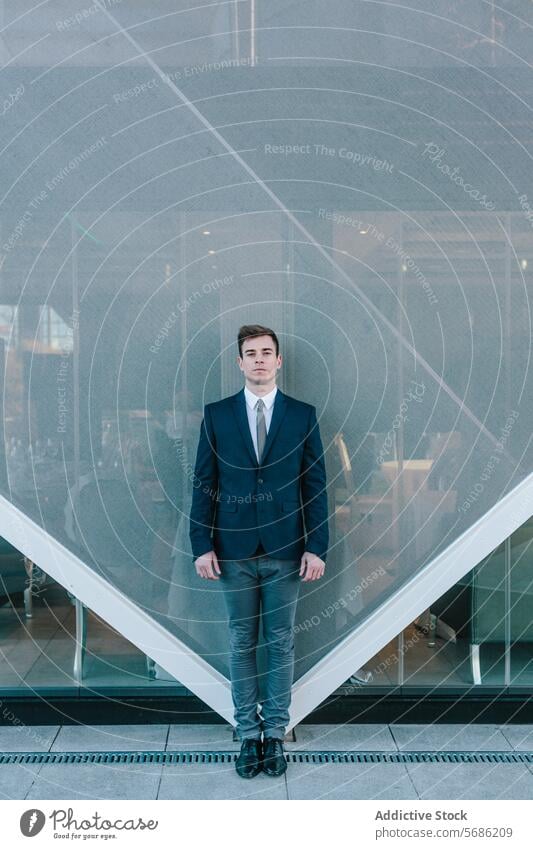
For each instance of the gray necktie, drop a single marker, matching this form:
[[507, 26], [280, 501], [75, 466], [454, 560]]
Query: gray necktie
[[261, 427]]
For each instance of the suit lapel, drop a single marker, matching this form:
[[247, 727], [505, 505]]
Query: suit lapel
[[278, 411]]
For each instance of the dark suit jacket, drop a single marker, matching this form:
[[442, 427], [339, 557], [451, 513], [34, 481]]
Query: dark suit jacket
[[243, 503]]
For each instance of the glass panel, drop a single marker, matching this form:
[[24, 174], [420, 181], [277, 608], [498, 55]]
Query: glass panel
[[38, 652], [475, 635], [459, 643], [520, 589], [378, 216]]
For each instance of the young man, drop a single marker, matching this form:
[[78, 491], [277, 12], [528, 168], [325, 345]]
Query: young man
[[259, 453]]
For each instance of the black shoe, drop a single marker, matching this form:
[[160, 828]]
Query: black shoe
[[250, 760], [274, 762]]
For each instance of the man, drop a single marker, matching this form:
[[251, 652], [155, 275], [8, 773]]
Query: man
[[260, 452]]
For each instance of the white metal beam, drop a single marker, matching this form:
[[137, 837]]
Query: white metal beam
[[411, 599], [117, 609]]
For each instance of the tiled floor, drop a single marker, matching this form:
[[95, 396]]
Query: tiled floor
[[301, 781]]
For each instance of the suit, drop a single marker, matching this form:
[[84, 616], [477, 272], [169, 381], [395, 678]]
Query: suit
[[279, 503], [259, 518]]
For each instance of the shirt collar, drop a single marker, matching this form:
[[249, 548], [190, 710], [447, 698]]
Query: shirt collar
[[251, 398]]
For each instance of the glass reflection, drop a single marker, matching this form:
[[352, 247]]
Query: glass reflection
[[132, 252]]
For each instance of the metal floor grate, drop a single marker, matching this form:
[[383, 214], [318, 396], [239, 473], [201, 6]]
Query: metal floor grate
[[298, 757]]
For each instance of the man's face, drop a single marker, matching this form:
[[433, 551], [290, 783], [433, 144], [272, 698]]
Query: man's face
[[259, 362]]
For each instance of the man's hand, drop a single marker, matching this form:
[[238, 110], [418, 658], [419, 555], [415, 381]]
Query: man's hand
[[207, 565], [312, 567]]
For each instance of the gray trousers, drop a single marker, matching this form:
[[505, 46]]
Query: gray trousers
[[272, 585]]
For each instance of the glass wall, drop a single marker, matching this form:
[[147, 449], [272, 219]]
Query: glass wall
[[477, 636], [357, 178]]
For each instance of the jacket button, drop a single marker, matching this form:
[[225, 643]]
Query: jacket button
[[259, 480]]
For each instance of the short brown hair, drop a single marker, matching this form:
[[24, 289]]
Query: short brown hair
[[249, 331]]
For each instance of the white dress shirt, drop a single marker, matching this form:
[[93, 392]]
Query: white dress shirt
[[251, 401]]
